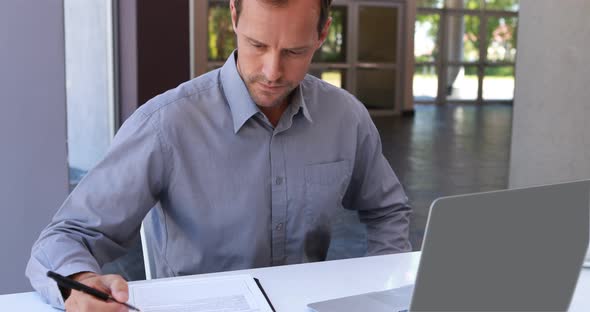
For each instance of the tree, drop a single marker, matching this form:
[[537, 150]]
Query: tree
[[222, 40]]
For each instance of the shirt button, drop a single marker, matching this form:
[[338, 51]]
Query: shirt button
[[279, 227], [279, 181]]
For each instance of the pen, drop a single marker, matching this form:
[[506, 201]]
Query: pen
[[264, 293], [69, 283]]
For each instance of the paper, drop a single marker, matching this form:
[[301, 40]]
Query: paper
[[206, 294]]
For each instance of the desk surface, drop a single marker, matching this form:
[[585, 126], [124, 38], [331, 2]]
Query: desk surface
[[292, 287]]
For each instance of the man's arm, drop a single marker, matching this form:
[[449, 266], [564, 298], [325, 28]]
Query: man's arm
[[376, 193], [102, 216]]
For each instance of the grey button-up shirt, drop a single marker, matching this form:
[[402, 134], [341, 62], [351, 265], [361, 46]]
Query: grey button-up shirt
[[229, 190]]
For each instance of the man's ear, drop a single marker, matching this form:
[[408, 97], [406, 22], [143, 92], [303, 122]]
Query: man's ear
[[324, 32], [234, 15]]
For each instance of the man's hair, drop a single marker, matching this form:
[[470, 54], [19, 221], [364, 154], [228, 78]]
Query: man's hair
[[324, 10]]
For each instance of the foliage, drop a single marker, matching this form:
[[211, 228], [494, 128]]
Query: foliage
[[491, 71], [429, 3], [503, 29], [502, 33], [432, 21], [333, 49], [504, 71], [222, 40], [470, 71], [506, 5]]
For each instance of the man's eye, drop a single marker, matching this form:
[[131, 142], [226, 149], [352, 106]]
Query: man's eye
[[256, 45], [291, 52]]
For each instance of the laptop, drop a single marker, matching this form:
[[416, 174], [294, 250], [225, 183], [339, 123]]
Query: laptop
[[509, 250]]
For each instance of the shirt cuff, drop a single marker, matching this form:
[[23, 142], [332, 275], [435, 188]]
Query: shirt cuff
[[47, 287]]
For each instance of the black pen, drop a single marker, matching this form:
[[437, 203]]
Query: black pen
[[264, 293], [69, 283]]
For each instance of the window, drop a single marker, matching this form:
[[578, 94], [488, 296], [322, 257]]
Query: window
[[465, 51], [430, 4], [89, 83], [425, 82], [378, 51], [221, 39], [503, 5], [334, 48], [329, 63], [501, 39], [361, 53]]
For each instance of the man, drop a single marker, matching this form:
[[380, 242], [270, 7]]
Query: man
[[246, 166]]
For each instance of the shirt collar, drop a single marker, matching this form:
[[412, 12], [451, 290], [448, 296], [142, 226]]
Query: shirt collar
[[299, 100], [241, 104]]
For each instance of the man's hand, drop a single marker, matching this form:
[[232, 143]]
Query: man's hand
[[110, 284]]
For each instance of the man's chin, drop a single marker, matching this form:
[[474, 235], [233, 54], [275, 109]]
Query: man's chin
[[266, 99], [267, 102]]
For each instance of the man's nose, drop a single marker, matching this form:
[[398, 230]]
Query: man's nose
[[272, 67]]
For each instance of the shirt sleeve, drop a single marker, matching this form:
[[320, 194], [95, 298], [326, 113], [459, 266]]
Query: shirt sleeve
[[101, 218], [376, 193]]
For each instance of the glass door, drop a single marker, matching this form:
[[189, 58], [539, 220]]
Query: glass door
[[376, 55], [362, 53], [464, 51], [90, 83], [330, 61]]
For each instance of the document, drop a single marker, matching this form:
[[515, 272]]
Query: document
[[238, 293]]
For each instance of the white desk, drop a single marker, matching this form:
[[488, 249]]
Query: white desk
[[292, 287]]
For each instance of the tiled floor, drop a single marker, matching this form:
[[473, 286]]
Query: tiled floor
[[448, 150]]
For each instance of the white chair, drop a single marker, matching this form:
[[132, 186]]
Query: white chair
[[148, 262]]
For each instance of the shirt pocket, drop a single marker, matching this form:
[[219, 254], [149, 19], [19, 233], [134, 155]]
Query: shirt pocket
[[325, 185]]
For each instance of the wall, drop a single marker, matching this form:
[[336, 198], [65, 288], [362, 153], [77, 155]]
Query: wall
[[33, 152], [33, 172], [550, 139], [550, 136], [163, 46], [153, 50]]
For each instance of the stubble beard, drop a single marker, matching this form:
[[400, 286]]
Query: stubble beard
[[251, 83]]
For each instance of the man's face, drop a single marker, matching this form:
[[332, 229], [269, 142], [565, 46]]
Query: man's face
[[275, 47]]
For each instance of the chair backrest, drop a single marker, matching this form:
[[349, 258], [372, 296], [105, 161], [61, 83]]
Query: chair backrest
[[148, 261]]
